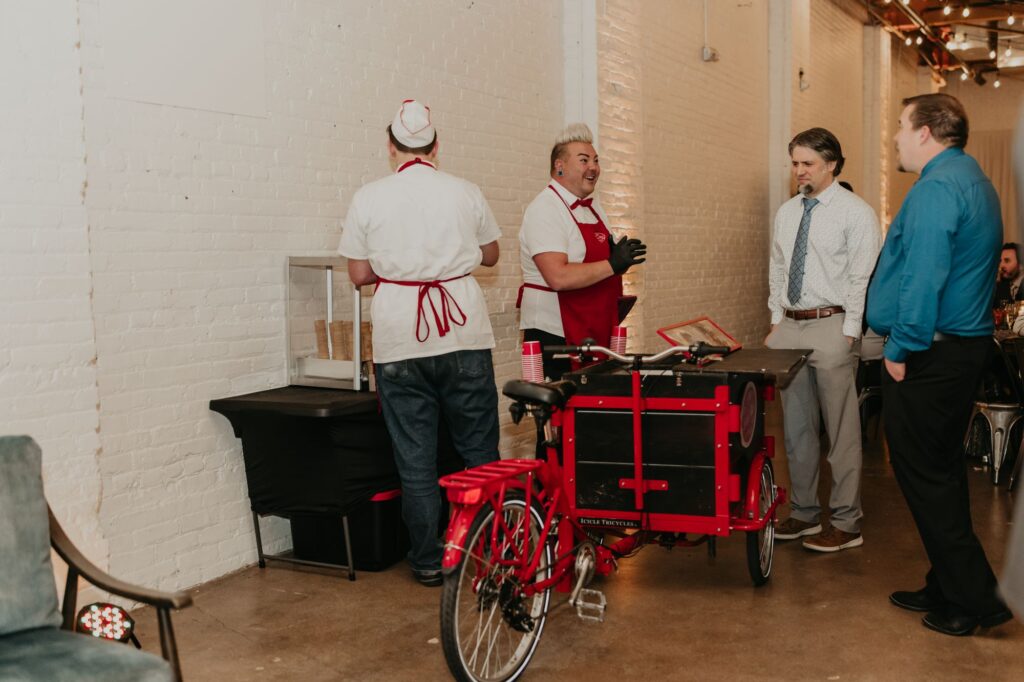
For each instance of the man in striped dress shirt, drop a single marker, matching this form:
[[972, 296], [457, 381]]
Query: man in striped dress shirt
[[824, 246]]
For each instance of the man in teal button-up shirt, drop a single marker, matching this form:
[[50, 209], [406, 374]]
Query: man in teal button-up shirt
[[931, 296], [941, 250]]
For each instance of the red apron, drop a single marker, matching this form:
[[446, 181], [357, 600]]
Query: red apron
[[592, 311], [446, 310]]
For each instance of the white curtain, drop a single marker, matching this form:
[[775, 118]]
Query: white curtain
[[993, 150]]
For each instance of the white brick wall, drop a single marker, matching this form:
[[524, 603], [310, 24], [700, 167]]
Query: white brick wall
[[684, 153], [834, 71], [194, 213], [47, 352], [621, 134]]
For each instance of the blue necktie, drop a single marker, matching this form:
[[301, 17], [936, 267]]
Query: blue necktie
[[796, 267]]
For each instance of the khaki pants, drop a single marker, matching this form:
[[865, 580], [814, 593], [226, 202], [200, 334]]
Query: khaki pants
[[824, 388]]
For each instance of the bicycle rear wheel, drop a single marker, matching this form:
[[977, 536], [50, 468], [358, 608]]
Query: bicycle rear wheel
[[489, 630]]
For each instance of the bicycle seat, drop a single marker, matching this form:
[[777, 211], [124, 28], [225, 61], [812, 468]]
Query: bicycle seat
[[555, 394]]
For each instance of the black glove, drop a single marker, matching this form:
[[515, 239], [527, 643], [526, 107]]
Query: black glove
[[626, 253]]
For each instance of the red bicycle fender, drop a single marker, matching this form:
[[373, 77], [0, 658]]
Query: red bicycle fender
[[455, 536], [750, 509]]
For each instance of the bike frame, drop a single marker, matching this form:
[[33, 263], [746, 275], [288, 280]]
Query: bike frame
[[553, 486]]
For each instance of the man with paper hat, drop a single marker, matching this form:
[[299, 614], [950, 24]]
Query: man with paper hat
[[418, 234]]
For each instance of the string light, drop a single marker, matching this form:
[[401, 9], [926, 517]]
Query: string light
[[966, 12], [996, 84], [1008, 53], [963, 76], [947, 10], [991, 54], [909, 40], [919, 40], [1011, 20]]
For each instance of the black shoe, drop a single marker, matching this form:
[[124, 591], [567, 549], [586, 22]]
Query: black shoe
[[922, 600], [960, 624], [994, 619], [951, 622], [429, 578]]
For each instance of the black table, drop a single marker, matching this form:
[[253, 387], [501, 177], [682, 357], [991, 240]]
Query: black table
[[316, 453]]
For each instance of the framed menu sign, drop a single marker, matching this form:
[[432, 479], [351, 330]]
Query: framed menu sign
[[694, 331]]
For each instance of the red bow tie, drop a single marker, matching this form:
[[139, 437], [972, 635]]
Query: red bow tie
[[585, 203]]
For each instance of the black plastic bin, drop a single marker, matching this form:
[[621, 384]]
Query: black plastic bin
[[378, 535]]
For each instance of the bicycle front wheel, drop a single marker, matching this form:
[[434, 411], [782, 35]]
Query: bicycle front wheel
[[761, 543], [489, 628]]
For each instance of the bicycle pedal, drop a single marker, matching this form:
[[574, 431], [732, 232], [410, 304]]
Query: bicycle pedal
[[591, 605], [668, 540]]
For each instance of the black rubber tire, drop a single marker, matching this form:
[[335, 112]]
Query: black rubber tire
[[760, 566], [455, 586]]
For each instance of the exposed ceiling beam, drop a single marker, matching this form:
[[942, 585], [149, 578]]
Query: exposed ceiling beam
[[933, 16]]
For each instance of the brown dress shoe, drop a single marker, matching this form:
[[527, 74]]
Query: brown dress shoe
[[791, 529], [833, 540]]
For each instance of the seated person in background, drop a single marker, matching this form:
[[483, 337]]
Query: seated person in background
[[1018, 325], [1008, 283]]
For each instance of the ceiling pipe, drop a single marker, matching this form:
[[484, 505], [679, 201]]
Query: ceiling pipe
[[923, 28], [926, 29]]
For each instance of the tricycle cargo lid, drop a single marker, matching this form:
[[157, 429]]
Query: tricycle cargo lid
[[780, 364]]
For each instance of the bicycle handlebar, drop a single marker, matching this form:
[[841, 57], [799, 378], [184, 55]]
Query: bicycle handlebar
[[697, 350]]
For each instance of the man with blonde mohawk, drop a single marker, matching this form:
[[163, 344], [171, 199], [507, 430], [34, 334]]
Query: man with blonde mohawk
[[572, 267], [418, 234]]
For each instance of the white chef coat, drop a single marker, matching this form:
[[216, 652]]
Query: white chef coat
[[420, 224], [547, 226]]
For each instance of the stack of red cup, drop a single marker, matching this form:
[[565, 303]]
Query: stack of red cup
[[533, 361], [619, 340]]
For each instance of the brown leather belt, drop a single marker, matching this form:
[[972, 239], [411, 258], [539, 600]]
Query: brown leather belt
[[815, 313]]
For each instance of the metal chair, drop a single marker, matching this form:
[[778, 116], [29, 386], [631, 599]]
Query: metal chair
[[1000, 418], [37, 640], [1001, 407], [869, 392]]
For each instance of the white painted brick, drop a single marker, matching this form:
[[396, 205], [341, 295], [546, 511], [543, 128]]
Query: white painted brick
[[47, 376], [188, 292], [684, 158]]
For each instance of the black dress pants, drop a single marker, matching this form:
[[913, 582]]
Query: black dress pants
[[926, 418]]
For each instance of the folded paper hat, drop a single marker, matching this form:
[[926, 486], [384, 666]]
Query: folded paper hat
[[412, 126]]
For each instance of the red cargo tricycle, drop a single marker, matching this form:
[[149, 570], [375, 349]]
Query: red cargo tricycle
[[639, 450]]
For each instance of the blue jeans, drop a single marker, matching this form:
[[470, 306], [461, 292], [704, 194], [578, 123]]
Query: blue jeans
[[414, 393]]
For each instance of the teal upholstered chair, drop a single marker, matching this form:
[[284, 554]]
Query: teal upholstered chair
[[36, 638]]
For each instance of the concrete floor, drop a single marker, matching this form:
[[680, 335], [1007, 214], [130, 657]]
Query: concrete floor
[[672, 615]]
